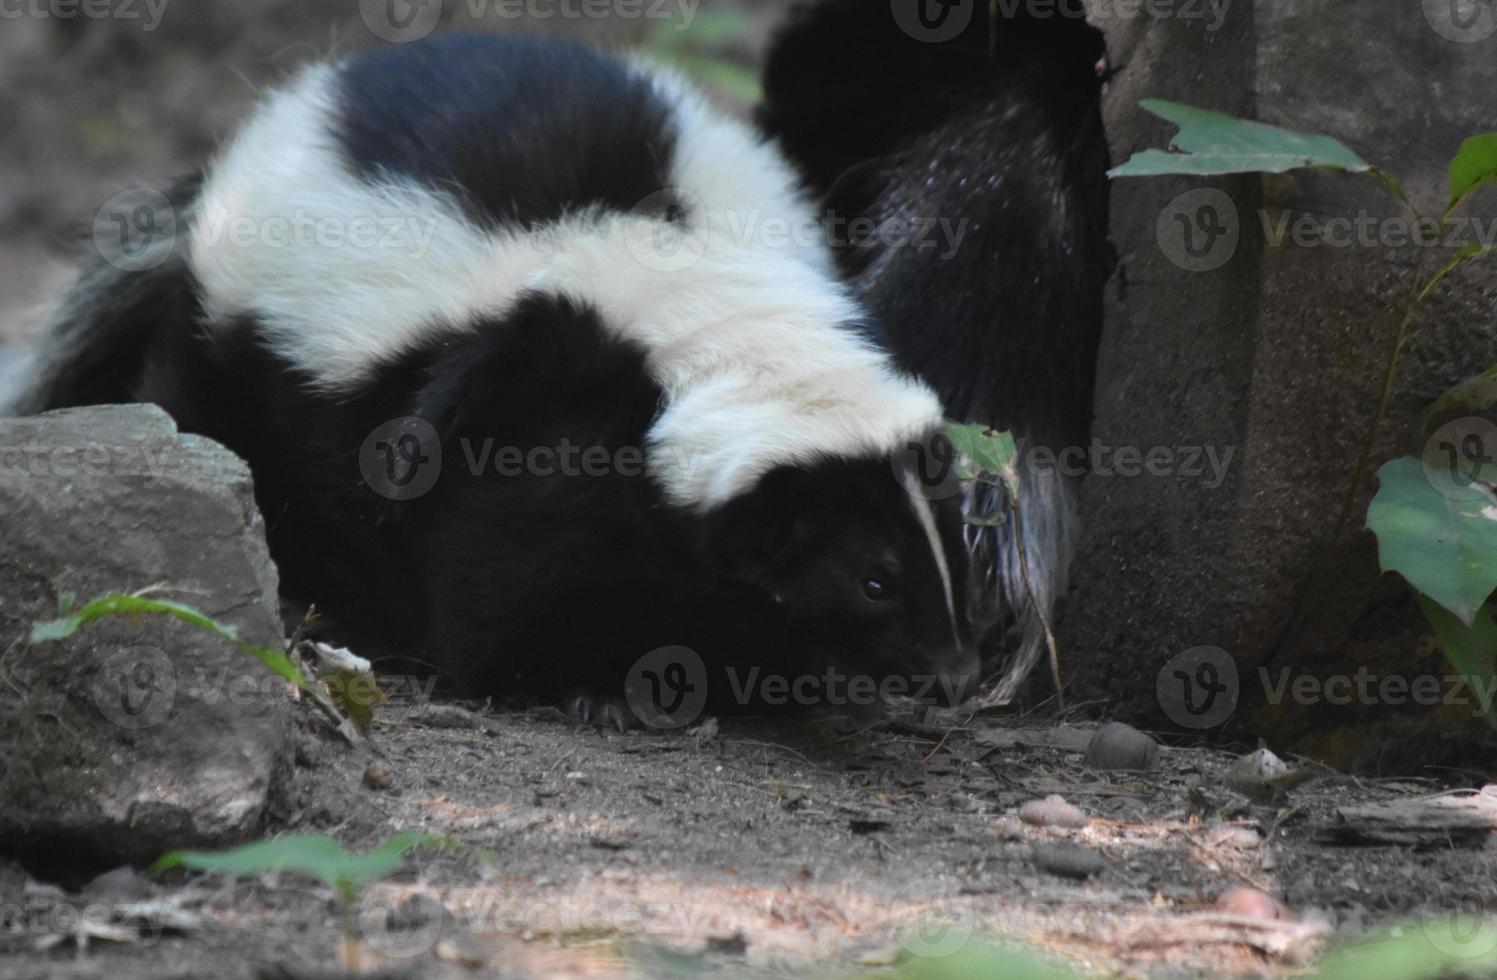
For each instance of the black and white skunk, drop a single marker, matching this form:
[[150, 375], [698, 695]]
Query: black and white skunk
[[968, 137], [447, 257]]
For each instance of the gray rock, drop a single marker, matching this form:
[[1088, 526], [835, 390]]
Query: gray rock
[[1053, 811], [127, 740], [1120, 746], [1068, 860]]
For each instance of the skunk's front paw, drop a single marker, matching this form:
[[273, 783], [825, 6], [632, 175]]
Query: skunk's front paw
[[606, 712]]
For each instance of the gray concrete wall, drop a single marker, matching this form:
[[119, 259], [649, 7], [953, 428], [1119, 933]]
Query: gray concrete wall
[[1272, 352]]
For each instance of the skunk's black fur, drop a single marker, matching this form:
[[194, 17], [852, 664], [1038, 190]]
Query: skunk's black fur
[[534, 582]]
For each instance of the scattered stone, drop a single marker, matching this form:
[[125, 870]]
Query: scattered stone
[[376, 777], [129, 739], [1119, 746], [867, 825], [1068, 860], [119, 884], [1241, 838], [1262, 777], [1250, 903], [1052, 811], [734, 945]]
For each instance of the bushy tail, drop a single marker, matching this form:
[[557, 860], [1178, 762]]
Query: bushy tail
[[96, 349], [1030, 590]]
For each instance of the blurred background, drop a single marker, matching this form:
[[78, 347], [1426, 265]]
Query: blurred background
[[103, 96]]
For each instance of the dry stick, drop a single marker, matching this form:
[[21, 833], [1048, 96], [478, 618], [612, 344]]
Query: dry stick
[[939, 746], [1385, 393]]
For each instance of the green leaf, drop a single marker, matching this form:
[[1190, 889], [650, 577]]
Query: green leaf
[[1473, 166], [1474, 396], [130, 605], [1441, 946], [315, 854], [1211, 143], [1471, 650], [355, 693], [1445, 548], [993, 452]]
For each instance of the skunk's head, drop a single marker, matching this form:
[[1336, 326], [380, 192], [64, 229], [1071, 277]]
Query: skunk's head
[[863, 563]]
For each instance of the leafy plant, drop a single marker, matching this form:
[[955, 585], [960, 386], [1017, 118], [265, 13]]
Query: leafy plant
[[1214, 143], [137, 605], [319, 856], [1433, 948], [1444, 548], [336, 691]]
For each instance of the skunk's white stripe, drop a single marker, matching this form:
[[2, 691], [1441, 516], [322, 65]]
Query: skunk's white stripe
[[748, 339], [927, 519]]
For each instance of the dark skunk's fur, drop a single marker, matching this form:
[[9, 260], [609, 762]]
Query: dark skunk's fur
[[997, 133], [511, 301]]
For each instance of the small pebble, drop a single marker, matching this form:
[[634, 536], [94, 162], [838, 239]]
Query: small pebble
[[1260, 776], [121, 883], [1068, 860], [1052, 811], [376, 777], [1120, 746], [1242, 838], [1250, 903]]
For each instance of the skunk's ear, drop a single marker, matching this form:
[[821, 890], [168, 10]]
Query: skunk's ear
[[751, 537]]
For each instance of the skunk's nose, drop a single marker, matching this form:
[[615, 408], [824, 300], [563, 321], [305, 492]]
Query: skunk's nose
[[955, 676]]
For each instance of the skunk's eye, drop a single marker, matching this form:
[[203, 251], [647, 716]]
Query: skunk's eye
[[876, 591]]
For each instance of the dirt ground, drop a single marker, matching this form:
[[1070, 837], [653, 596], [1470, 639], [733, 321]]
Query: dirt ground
[[822, 845]]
